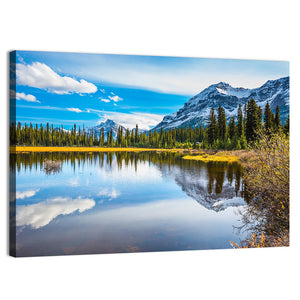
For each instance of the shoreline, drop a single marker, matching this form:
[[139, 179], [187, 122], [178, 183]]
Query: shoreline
[[24, 149], [189, 154]]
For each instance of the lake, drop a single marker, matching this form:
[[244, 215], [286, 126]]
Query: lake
[[123, 202]]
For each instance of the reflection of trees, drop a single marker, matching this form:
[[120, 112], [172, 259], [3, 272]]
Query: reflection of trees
[[220, 175], [216, 175], [208, 185], [201, 181], [230, 173]]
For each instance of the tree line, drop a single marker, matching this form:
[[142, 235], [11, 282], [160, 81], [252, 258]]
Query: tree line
[[241, 130]]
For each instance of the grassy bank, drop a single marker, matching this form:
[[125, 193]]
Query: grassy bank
[[190, 154], [218, 157], [21, 149]]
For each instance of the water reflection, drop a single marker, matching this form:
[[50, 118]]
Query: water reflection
[[42, 213], [213, 185], [123, 202]]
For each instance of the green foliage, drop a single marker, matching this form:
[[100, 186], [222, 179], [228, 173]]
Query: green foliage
[[253, 121], [222, 125], [212, 127], [286, 128], [231, 128], [277, 122], [217, 134], [240, 125], [268, 119]]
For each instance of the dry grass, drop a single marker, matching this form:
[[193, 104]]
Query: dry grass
[[25, 149], [218, 157]]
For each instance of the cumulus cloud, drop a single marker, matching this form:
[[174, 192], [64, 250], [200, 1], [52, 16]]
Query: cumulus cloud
[[26, 194], [22, 96], [129, 120], [105, 100], [41, 214], [41, 76], [111, 194], [115, 98], [77, 110]]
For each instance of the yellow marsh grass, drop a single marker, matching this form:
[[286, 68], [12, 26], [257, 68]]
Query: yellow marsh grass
[[84, 149], [218, 157]]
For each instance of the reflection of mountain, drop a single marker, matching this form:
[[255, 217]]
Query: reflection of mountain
[[214, 187], [214, 201]]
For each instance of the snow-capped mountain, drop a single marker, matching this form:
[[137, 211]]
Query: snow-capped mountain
[[107, 125], [62, 129], [196, 110]]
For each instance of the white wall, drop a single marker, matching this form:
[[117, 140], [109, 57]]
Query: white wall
[[226, 29]]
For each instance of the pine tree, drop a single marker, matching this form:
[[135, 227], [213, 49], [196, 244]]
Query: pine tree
[[108, 139], [277, 123], [252, 122], [240, 124], [111, 138], [222, 126], [268, 118], [286, 127], [212, 127], [231, 128], [136, 137]]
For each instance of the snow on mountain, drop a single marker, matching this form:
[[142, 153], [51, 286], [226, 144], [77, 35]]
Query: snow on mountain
[[62, 129], [196, 110], [107, 126]]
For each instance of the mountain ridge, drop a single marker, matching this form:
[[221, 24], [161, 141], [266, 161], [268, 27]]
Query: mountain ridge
[[107, 126], [195, 111]]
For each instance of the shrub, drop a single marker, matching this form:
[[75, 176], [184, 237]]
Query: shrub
[[266, 189]]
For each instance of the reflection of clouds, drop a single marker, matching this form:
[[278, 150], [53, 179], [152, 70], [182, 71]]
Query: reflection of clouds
[[174, 211], [74, 181], [26, 194], [41, 214], [143, 173], [113, 194]]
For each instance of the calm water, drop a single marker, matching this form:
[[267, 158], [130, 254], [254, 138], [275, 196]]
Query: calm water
[[124, 202]]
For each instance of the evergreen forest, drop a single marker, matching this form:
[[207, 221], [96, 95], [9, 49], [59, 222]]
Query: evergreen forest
[[237, 133]]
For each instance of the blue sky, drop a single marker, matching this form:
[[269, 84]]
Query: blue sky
[[67, 88]]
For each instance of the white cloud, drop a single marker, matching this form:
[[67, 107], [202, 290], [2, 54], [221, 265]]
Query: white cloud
[[26, 194], [145, 120], [105, 100], [115, 98], [186, 76], [77, 110], [113, 194], [29, 98], [102, 91], [41, 214], [41, 76]]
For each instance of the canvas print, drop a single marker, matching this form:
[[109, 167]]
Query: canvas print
[[130, 153]]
